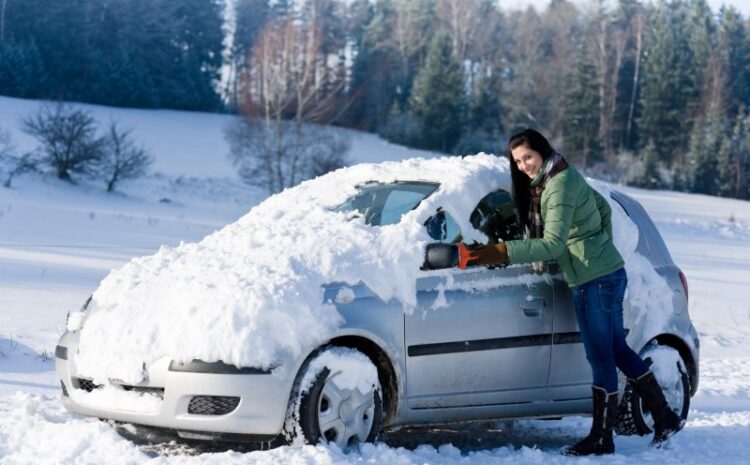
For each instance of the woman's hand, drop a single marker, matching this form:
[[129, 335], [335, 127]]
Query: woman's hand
[[488, 255]]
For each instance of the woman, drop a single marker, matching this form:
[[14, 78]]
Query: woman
[[569, 222]]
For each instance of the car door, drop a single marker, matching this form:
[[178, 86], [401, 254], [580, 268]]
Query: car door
[[479, 336], [570, 373]]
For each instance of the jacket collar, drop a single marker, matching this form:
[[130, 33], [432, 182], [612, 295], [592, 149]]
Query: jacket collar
[[542, 171]]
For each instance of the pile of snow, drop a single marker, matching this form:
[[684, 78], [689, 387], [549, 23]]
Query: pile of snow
[[648, 294], [349, 369], [251, 294], [38, 430]]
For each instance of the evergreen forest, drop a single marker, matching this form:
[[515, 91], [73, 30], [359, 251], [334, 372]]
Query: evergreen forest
[[649, 93]]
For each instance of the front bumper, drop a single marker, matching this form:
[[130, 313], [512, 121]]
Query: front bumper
[[163, 400]]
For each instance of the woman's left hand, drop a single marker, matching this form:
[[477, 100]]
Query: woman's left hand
[[488, 255]]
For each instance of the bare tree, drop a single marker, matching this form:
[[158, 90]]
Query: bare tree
[[122, 158], [68, 139], [289, 84], [601, 48], [474, 28], [263, 158], [539, 56], [11, 163], [638, 31], [465, 21]]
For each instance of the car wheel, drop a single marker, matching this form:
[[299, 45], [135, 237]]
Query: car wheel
[[633, 417], [334, 413]]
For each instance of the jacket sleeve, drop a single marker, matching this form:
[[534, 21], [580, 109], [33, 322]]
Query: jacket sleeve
[[558, 205], [605, 211]]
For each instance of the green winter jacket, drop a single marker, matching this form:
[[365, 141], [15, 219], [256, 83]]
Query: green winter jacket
[[577, 230]]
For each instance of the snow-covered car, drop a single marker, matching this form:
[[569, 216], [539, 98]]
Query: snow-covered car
[[314, 318]]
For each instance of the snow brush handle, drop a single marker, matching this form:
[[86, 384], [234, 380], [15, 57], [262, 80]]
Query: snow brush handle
[[464, 255]]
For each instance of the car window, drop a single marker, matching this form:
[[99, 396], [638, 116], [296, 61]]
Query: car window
[[443, 228], [383, 204], [495, 215], [398, 203]]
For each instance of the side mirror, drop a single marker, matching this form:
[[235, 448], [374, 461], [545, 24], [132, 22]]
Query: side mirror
[[437, 227], [440, 256]]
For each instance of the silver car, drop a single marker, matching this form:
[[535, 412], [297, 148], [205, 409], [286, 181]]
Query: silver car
[[483, 343]]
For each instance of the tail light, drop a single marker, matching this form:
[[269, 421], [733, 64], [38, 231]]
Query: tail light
[[684, 284]]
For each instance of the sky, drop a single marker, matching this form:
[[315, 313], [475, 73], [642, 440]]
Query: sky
[[742, 5]]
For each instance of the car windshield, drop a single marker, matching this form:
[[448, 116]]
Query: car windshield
[[382, 204]]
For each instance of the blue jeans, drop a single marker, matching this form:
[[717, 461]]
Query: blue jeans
[[599, 313]]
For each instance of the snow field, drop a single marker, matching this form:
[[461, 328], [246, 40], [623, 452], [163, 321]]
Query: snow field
[[37, 429]]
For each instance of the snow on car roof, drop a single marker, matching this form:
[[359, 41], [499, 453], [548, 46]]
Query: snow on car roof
[[251, 294]]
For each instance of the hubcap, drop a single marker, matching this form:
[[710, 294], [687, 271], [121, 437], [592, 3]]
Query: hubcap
[[345, 416]]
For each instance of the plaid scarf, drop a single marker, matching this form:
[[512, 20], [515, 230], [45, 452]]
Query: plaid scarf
[[555, 164]]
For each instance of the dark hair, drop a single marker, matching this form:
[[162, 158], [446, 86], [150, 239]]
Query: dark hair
[[534, 139], [521, 182]]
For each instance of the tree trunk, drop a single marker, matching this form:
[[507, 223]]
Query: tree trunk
[[634, 93], [603, 113]]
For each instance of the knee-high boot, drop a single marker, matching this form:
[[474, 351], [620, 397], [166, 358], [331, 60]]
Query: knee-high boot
[[666, 422], [599, 441]]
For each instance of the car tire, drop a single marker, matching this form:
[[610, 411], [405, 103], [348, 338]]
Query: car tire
[[329, 414], [632, 416]]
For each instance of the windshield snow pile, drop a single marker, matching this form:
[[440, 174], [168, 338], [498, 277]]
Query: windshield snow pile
[[251, 294]]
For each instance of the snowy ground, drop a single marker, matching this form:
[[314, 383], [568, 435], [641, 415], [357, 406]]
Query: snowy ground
[[58, 241]]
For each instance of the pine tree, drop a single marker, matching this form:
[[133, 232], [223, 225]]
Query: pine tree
[[705, 153], [734, 46], [734, 166], [650, 158], [374, 73], [483, 123], [409, 38], [437, 99], [21, 69], [145, 53], [700, 29], [581, 126], [198, 40], [670, 92]]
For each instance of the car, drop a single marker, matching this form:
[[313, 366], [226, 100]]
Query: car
[[316, 318]]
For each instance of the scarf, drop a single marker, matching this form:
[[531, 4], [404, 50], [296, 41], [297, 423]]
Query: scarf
[[553, 165]]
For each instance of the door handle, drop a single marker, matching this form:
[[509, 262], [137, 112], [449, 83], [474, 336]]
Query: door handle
[[532, 306]]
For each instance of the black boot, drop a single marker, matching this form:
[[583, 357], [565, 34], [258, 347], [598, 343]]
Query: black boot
[[599, 441], [666, 422]]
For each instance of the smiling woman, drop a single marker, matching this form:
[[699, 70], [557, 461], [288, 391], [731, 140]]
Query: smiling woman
[[569, 223]]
